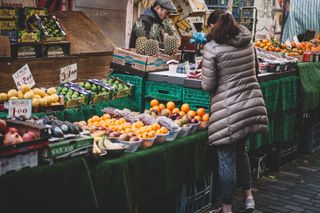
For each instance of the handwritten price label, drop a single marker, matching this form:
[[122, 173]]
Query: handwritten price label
[[68, 73], [20, 107], [23, 77]]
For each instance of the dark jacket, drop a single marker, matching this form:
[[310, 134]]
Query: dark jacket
[[148, 18], [237, 106]]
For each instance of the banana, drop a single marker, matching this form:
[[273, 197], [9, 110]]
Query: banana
[[96, 150]]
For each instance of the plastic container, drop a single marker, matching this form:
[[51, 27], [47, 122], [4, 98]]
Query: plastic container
[[173, 134], [114, 139], [194, 127], [185, 130], [147, 142], [132, 146], [161, 138]]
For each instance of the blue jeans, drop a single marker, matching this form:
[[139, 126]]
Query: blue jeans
[[233, 158]]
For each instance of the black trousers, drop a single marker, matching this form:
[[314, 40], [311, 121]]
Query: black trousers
[[233, 158]]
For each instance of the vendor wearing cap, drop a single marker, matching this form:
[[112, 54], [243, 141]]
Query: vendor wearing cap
[[156, 14]]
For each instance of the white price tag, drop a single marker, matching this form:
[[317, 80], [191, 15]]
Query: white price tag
[[19, 107], [23, 77], [68, 73]]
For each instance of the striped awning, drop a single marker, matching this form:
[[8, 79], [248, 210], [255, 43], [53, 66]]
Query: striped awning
[[303, 15]]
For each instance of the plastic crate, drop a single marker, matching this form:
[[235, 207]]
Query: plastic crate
[[163, 91], [195, 96], [270, 91], [195, 197], [282, 154], [139, 85], [288, 93], [284, 128], [195, 106], [311, 140]]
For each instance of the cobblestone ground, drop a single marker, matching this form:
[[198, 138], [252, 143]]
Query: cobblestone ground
[[295, 188]]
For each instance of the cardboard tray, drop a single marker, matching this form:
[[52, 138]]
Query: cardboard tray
[[23, 147]]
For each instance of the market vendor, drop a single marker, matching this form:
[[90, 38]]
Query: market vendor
[[160, 10]]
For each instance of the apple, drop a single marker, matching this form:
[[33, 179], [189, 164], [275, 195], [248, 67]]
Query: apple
[[3, 127], [134, 139], [124, 137]]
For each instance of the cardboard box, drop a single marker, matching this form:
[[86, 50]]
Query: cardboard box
[[141, 62], [168, 77], [18, 162], [68, 148], [191, 8]]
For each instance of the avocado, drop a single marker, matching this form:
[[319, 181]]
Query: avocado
[[87, 86]]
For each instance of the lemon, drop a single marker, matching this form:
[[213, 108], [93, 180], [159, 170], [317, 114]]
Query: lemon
[[35, 102], [43, 102], [29, 95], [36, 96], [42, 93], [36, 91], [3, 97], [20, 95], [48, 99], [52, 91], [12, 93], [25, 88], [13, 98], [55, 98]]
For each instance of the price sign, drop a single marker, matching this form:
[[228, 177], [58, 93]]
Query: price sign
[[23, 77], [68, 73], [19, 107]]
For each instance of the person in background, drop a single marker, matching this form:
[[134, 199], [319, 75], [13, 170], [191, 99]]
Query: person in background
[[237, 108], [213, 18], [160, 10]]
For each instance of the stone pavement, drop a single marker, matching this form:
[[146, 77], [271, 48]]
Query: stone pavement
[[295, 188]]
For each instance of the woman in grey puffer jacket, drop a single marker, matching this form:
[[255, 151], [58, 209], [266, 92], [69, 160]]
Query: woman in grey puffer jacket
[[237, 106]]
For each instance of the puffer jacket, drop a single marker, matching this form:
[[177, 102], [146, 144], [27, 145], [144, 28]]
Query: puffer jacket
[[237, 107]]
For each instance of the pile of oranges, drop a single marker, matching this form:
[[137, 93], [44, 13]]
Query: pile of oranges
[[170, 108], [293, 50], [122, 126]]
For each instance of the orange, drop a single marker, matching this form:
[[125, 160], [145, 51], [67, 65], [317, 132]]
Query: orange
[[181, 113], [192, 113], [139, 124], [198, 117], [205, 117], [95, 118], [265, 41], [175, 110], [156, 108], [162, 106], [201, 111], [154, 102], [164, 130], [171, 105], [156, 126], [106, 117], [185, 108]]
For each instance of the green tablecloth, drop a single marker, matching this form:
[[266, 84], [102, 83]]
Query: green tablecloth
[[309, 74], [109, 185]]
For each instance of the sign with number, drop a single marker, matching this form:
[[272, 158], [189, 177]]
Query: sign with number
[[68, 73], [23, 77], [20, 107]]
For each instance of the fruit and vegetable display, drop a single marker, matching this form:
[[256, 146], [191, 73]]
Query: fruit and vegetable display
[[74, 94], [39, 97], [16, 132], [120, 88], [293, 49], [28, 37], [99, 89]]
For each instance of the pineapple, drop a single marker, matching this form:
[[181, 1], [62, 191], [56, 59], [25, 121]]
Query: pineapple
[[142, 39], [170, 39], [152, 47]]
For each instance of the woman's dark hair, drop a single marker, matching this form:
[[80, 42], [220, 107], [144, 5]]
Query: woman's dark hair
[[213, 17], [225, 29]]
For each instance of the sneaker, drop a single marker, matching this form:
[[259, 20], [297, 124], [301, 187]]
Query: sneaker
[[247, 206]]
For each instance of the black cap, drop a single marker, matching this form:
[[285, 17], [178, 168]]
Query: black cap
[[167, 4]]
